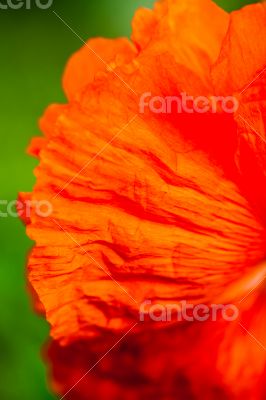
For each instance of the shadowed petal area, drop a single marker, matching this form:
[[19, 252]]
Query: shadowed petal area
[[231, 357]]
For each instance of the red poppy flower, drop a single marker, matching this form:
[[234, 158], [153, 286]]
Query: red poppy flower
[[156, 206]]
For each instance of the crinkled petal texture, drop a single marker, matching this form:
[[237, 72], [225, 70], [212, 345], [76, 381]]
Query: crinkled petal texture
[[160, 207]]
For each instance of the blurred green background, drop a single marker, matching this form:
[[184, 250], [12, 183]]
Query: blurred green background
[[34, 48]]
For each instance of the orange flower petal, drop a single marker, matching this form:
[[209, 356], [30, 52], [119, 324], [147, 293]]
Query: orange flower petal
[[243, 54], [154, 207], [210, 360], [143, 207], [193, 37], [97, 56]]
